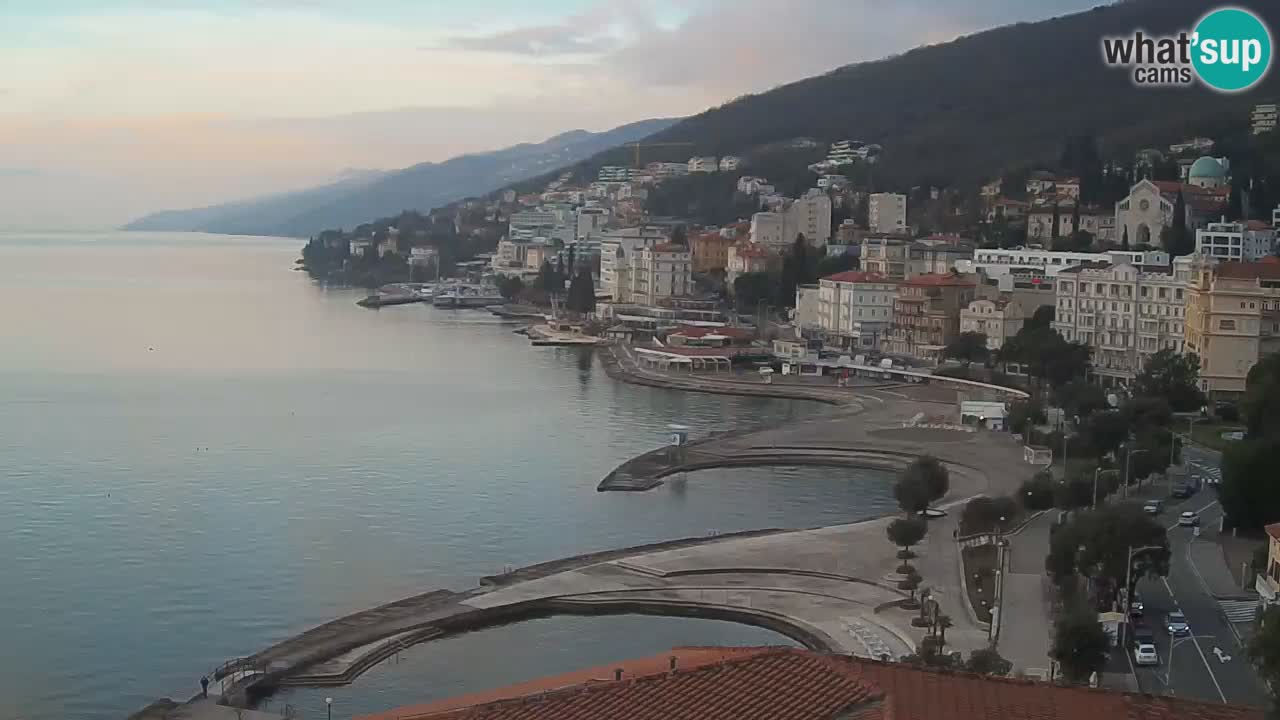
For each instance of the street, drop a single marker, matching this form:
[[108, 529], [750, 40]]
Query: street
[[1210, 663]]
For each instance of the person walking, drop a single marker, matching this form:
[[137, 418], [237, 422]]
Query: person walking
[[204, 686]]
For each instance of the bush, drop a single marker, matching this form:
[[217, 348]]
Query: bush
[[987, 662], [982, 514]]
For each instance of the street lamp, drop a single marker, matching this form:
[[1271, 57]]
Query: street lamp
[[328, 703], [1128, 462]]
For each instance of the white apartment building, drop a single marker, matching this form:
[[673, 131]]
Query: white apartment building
[[1263, 118], [664, 170], [887, 213], [618, 250], [1000, 263], [615, 173], [999, 320], [855, 308], [591, 219], [1275, 219], [809, 216], [844, 152], [769, 229], [750, 184], [662, 271], [705, 164], [729, 163], [1236, 241], [1123, 313]]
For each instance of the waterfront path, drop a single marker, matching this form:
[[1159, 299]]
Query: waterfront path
[[1027, 604]]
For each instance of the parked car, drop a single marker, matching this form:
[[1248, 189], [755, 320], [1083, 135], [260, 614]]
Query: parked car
[[1182, 492], [1188, 518], [1176, 623], [1153, 507], [1145, 654]]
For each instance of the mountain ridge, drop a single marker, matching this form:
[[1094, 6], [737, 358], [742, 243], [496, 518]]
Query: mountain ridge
[[366, 195]]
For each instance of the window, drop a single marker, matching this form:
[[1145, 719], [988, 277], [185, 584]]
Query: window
[[1226, 324]]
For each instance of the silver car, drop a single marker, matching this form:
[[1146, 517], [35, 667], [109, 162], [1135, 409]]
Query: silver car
[[1145, 654], [1176, 624]]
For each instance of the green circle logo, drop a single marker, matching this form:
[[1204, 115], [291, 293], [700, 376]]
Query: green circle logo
[[1231, 49]]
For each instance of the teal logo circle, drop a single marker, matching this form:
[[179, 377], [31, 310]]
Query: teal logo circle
[[1231, 49]]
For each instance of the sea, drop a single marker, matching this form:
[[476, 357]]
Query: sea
[[203, 451]]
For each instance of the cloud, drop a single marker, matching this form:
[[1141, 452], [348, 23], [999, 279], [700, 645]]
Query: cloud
[[542, 40]]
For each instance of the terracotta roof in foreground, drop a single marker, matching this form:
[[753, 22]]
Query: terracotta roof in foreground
[[794, 684]]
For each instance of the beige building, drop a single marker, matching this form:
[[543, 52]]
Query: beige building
[[1233, 319], [661, 271], [747, 257], [998, 319], [937, 254], [1123, 313], [855, 308], [810, 216], [884, 255], [926, 314], [710, 251], [887, 213]]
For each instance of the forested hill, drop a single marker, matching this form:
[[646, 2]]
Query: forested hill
[[420, 187], [965, 110]]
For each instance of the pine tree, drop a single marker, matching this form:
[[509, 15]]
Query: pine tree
[[1057, 220], [1124, 238], [1235, 204]]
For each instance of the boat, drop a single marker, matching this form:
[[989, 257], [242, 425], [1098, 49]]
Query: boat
[[467, 296]]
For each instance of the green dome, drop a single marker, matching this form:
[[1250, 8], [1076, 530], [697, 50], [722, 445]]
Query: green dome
[[1207, 167]]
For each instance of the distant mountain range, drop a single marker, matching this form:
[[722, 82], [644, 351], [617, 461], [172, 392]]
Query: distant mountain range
[[361, 195], [966, 110]]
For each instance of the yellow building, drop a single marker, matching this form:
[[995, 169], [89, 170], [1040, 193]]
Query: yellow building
[[710, 251], [1233, 319]]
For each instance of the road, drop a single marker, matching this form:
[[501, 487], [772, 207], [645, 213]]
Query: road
[[1211, 664]]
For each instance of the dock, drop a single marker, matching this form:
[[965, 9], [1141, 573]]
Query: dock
[[547, 336]]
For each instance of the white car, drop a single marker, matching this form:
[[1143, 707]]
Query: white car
[[1153, 507], [1145, 654], [1189, 519]]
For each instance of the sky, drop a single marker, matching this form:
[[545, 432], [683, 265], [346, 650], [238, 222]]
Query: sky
[[110, 110]]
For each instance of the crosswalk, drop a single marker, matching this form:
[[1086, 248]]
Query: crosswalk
[[1210, 474], [1239, 611]]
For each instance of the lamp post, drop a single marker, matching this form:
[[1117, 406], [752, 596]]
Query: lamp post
[[1173, 643], [328, 703], [1096, 472], [1128, 462]]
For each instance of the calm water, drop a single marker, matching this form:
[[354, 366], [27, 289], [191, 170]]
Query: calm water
[[202, 452]]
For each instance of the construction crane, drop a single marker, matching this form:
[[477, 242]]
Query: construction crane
[[638, 145]]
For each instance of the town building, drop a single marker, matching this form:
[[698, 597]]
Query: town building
[[616, 173], [705, 164], [1148, 209], [992, 190], [810, 215], [1275, 219], [1067, 189], [710, 251], [926, 313], [423, 255], [662, 271], [855, 308], [729, 163], [1233, 320], [998, 319], [937, 254], [805, 315], [748, 257], [769, 229], [1263, 118], [884, 254], [750, 184], [998, 264], [618, 249], [778, 683], [1040, 182], [1008, 209], [844, 152], [1208, 173], [359, 247], [667, 170], [1196, 145], [887, 213], [1125, 314], [1267, 582], [1243, 242], [590, 219]]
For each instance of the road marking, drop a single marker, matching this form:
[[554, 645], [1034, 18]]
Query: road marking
[[1222, 657], [1239, 611], [1197, 512], [1195, 641]]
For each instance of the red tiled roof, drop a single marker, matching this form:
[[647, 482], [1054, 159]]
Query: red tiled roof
[[751, 250], [794, 684], [859, 276], [1248, 270], [1274, 530], [939, 280]]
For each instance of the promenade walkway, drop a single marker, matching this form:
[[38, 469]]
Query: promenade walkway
[[1026, 622]]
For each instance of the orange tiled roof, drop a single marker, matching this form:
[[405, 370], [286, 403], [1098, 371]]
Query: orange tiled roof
[[939, 280], [1248, 270], [794, 684], [669, 247]]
